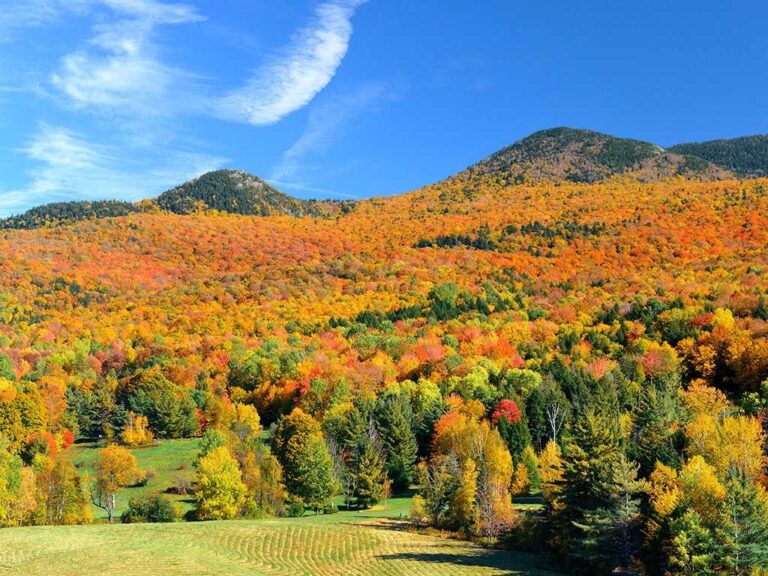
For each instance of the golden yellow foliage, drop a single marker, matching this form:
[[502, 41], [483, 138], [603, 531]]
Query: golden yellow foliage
[[664, 490], [550, 472], [137, 432], [701, 489]]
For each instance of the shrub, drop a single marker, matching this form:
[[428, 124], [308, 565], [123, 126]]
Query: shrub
[[152, 509], [330, 509], [182, 485], [296, 509], [144, 477]]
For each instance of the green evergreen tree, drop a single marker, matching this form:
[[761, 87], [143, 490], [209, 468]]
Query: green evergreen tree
[[516, 436], [394, 422], [588, 488], [656, 436], [369, 488], [746, 526], [625, 511]]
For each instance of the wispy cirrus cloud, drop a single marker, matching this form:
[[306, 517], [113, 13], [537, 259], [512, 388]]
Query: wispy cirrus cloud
[[17, 15], [69, 167], [294, 76], [122, 71], [121, 74], [327, 120]]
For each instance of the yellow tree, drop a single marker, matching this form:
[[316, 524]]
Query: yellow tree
[[137, 432], [115, 468], [221, 491], [550, 472]]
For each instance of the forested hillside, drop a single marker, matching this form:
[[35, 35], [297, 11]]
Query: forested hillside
[[575, 155], [68, 212], [747, 156], [228, 191], [549, 156], [235, 192], [599, 348]]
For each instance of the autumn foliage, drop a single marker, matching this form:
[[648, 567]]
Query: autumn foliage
[[602, 347]]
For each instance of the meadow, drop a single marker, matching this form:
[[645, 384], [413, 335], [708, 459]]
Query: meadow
[[377, 541], [374, 542], [164, 463]]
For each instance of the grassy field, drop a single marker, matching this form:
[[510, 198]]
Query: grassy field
[[370, 542], [167, 460], [335, 545]]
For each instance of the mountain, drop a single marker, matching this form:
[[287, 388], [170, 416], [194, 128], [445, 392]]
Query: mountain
[[574, 155], [231, 191], [235, 192], [554, 155], [68, 212], [746, 156]]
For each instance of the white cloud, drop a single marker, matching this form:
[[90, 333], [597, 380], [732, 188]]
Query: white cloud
[[122, 71], [326, 122], [119, 72], [290, 80], [20, 14], [71, 168]]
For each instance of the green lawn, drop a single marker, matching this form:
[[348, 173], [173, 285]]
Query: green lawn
[[360, 543], [169, 459], [334, 545]]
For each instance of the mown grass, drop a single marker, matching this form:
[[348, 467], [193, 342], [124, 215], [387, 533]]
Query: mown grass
[[166, 460], [325, 545], [352, 542]]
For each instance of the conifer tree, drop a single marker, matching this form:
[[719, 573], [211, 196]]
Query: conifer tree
[[587, 487], [746, 525], [394, 419], [369, 488], [516, 436], [625, 511]]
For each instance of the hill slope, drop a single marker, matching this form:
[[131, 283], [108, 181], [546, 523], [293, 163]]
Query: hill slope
[[236, 192], [554, 155], [289, 547], [747, 156], [231, 191], [68, 212], [586, 156]]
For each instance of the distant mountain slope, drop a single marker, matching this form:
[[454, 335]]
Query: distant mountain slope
[[746, 156], [236, 192], [554, 155], [232, 191], [586, 156], [68, 212]]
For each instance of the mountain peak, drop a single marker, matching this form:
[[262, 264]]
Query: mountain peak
[[233, 191], [579, 155]]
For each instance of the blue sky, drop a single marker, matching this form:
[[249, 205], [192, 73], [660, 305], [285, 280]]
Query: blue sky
[[351, 98]]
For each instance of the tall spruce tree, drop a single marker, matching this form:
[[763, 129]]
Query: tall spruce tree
[[585, 522], [369, 488], [516, 436], [746, 526], [394, 422]]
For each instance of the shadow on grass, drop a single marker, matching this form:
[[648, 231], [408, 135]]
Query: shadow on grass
[[507, 563], [381, 524]]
